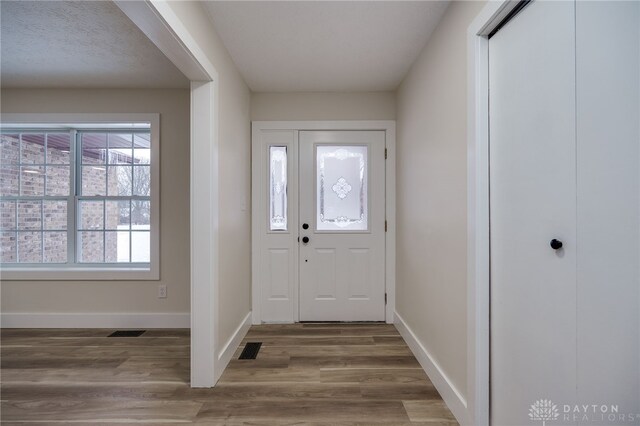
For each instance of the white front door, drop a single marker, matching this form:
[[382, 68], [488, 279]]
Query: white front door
[[342, 226], [318, 223]]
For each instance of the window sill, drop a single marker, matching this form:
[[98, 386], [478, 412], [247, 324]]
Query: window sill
[[79, 274]]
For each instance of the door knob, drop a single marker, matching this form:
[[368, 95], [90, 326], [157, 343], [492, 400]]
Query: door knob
[[305, 240], [305, 226], [555, 244]]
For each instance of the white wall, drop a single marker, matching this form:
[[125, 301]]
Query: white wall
[[431, 195], [234, 301], [45, 297], [323, 106]]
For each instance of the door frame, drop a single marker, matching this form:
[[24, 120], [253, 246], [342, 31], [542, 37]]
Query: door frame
[[478, 237], [258, 211], [157, 20]]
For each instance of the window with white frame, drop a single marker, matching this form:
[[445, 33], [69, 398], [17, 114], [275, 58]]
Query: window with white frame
[[79, 196]]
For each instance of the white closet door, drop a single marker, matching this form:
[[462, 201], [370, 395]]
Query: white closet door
[[533, 200], [608, 71]]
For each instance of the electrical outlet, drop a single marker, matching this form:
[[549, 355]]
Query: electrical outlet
[[162, 291]]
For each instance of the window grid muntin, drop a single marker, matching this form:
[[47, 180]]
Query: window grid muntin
[[41, 199], [75, 187], [104, 198], [104, 230]]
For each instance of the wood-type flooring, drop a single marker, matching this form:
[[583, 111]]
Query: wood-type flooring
[[304, 374]]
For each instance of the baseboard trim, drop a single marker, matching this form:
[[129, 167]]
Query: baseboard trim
[[232, 344], [90, 320], [451, 396]]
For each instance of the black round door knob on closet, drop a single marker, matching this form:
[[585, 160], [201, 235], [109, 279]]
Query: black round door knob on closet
[[305, 226], [305, 240], [555, 244]]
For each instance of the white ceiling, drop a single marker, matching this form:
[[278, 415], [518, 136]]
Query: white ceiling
[[78, 44], [282, 46]]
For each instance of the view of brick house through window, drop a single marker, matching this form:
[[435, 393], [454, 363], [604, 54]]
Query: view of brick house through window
[[75, 196]]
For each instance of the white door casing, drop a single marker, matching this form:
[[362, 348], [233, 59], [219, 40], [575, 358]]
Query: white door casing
[[159, 22], [275, 252], [342, 204]]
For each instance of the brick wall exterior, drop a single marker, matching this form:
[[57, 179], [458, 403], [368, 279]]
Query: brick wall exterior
[[30, 225]]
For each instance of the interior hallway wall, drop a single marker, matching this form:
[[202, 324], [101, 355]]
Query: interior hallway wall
[[323, 106], [234, 298], [64, 297], [432, 194]]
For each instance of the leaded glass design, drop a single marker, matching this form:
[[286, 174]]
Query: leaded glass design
[[342, 187], [278, 188]]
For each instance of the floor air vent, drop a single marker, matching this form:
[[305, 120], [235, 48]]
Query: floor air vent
[[250, 350], [127, 333]]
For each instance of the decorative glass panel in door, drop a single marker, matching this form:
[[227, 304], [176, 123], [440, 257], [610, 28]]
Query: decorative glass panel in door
[[342, 199], [278, 188]]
